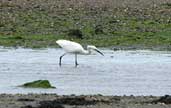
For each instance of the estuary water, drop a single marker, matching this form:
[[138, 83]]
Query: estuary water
[[139, 72]]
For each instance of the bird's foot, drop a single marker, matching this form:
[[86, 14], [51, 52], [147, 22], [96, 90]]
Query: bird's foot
[[60, 64], [76, 64]]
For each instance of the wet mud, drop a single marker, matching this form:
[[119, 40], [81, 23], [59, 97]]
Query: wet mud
[[82, 101]]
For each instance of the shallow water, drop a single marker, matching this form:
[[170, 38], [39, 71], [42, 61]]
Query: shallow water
[[140, 72]]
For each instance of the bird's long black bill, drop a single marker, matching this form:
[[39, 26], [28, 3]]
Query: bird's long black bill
[[99, 52]]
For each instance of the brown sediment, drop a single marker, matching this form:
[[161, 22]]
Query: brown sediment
[[82, 101]]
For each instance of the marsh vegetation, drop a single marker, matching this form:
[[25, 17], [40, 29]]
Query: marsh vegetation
[[104, 23]]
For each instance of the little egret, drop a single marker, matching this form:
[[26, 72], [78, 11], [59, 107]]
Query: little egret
[[75, 48]]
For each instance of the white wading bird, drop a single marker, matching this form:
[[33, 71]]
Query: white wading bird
[[75, 48]]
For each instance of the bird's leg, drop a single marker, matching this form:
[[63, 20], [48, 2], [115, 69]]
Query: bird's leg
[[60, 59], [76, 63]]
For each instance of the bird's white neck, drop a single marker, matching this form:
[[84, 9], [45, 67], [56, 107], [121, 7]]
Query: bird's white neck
[[86, 52]]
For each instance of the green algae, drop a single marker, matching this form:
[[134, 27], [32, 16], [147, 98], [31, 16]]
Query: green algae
[[38, 84]]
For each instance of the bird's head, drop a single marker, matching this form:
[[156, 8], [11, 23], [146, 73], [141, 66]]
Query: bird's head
[[92, 47]]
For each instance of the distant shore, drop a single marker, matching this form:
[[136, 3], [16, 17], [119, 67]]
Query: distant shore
[[82, 101], [104, 23]]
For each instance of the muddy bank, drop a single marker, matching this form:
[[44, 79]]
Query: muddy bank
[[104, 23], [82, 101], [142, 47]]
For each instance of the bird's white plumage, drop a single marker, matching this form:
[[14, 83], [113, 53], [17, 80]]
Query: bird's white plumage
[[75, 48], [69, 46]]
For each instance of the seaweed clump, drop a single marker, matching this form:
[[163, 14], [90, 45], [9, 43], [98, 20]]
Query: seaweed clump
[[38, 84]]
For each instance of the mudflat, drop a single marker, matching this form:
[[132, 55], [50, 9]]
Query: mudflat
[[82, 101]]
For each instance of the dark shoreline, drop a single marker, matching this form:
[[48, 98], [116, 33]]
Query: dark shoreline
[[141, 47], [114, 48], [82, 101]]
